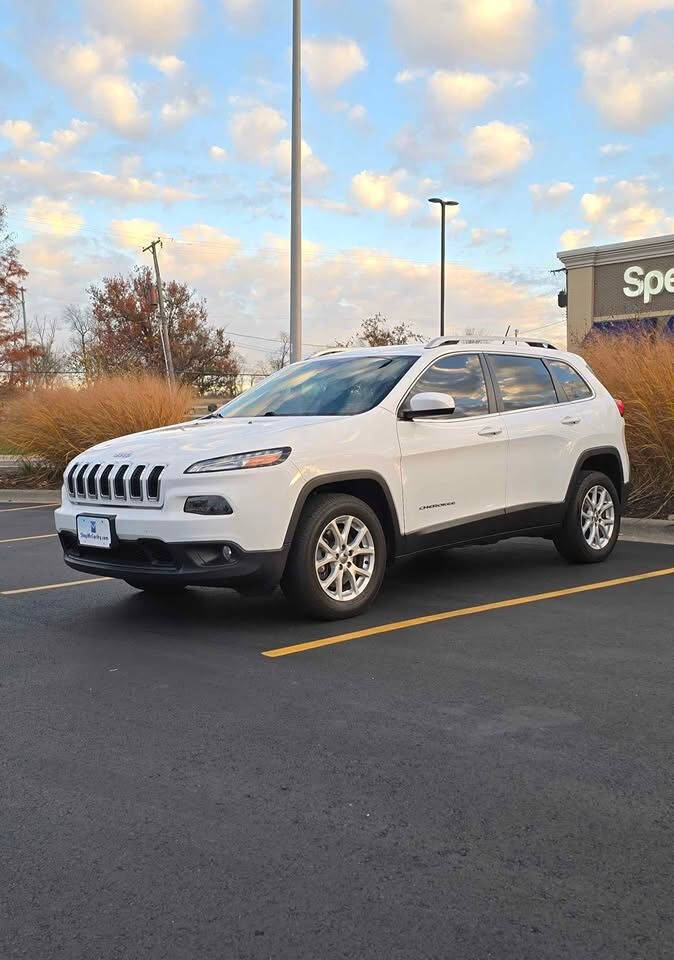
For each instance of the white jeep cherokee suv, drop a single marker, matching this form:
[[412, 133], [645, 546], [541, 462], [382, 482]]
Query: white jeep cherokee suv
[[326, 472]]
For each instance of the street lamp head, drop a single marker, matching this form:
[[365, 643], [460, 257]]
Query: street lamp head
[[445, 203]]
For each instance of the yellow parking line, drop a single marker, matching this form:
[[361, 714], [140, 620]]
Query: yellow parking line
[[53, 586], [464, 612], [40, 536], [37, 506]]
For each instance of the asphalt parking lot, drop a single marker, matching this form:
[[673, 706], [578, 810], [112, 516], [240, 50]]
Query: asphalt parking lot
[[494, 784]]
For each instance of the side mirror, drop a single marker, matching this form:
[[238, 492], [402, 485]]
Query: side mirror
[[428, 405]]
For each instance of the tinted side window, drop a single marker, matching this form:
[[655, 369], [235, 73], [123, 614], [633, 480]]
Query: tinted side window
[[571, 382], [460, 377], [524, 382]]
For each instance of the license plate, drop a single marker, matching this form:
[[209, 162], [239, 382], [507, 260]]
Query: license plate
[[94, 532]]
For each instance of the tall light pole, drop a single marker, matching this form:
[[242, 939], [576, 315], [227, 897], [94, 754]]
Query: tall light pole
[[296, 191], [443, 206]]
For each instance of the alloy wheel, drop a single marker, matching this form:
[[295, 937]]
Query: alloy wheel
[[597, 517], [345, 558]]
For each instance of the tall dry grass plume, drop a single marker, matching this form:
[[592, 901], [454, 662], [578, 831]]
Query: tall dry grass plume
[[640, 371], [55, 424]]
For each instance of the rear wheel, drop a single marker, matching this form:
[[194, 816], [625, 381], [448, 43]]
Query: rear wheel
[[159, 589], [338, 558], [592, 522]]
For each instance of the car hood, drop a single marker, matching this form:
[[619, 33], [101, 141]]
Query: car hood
[[186, 443]]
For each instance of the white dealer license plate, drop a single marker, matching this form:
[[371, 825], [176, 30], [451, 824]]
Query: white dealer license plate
[[94, 532]]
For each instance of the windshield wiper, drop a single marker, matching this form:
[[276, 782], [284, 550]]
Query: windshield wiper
[[269, 413]]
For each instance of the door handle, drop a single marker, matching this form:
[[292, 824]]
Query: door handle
[[570, 421], [490, 432]]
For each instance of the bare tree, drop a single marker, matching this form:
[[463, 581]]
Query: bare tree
[[278, 358], [49, 363], [82, 326]]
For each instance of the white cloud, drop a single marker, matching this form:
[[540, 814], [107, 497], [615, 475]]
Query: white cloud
[[380, 191], [446, 32], [613, 149], [488, 236], [218, 154], [495, 151], [113, 100], [410, 76], [572, 239], [451, 91], [126, 189], [54, 217], [199, 249], [134, 234], [313, 168], [630, 80], [65, 139], [593, 16], [144, 25], [254, 132], [330, 63], [94, 75], [631, 210], [168, 64], [20, 132], [242, 12], [183, 107], [250, 288], [551, 194]]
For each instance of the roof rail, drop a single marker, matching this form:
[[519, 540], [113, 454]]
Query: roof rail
[[512, 341], [328, 351]]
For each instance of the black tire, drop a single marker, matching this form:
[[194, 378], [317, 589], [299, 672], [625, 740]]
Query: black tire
[[570, 540], [301, 583], [159, 589]]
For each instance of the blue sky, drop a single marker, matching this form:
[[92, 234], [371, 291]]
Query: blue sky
[[549, 121]]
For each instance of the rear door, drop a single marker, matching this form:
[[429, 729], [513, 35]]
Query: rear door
[[539, 428], [454, 467]]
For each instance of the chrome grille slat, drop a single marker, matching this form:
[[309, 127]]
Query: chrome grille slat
[[85, 483]]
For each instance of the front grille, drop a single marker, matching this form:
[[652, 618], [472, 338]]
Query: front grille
[[116, 484]]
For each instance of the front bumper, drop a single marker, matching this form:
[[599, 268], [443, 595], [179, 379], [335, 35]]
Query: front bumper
[[183, 564]]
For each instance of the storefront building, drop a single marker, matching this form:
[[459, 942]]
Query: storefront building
[[621, 286]]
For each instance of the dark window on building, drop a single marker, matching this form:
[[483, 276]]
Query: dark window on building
[[572, 384], [460, 377], [523, 382]]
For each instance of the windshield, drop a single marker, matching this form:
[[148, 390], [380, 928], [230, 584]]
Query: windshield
[[326, 386]]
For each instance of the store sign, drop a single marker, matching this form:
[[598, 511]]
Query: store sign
[[638, 283]]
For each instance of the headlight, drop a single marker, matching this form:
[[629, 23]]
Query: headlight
[[241, 461]]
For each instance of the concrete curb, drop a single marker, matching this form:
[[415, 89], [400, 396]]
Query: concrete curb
[[647, 531]]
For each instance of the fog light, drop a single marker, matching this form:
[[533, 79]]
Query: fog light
[[212, 506], [227, 553]]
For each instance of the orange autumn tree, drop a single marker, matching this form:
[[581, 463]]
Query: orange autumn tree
[[124, 333]]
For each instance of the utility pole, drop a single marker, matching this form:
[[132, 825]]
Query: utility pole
[[296, 191], [443, 205], [163, 326], [22, 290]]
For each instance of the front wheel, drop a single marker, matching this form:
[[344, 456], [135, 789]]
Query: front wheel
[[338, 558], [592, 521]]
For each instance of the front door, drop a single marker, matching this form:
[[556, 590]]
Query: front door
[[453, 467]]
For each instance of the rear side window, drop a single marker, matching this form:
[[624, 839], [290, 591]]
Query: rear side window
[[459, 376], [523, 382], [572, 384]]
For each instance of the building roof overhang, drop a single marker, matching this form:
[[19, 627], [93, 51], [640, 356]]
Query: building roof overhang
[[618, 252]]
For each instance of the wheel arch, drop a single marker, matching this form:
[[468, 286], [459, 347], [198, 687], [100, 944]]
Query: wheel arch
[[606, 460], [368, 486]]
